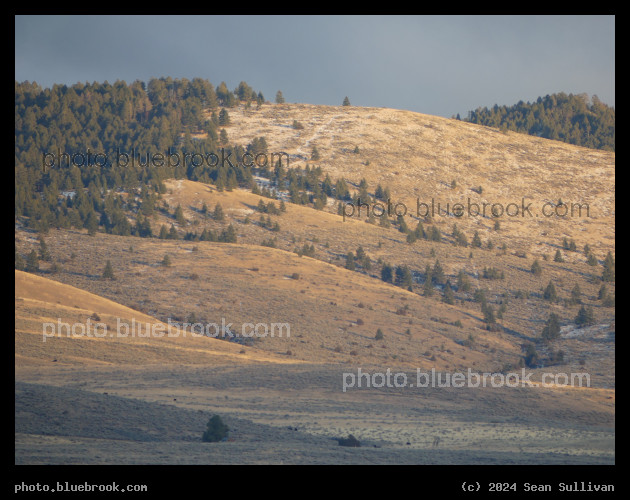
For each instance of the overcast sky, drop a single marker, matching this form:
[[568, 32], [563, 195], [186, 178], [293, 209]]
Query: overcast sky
[[439, 65]]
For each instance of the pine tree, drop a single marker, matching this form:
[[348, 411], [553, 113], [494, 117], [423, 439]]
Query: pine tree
[[550, 293], [350, 261], [438, 273], [218, 212], [166, 261], [44, 254], [379, 334], [216, 430], [19, 262], [608, 273], [449, 296], [576, 294], [585, 316], [279, 97], [224, 117], [32, 262], [435, 234], [163, 233], [346, 101], [387, 273], [536, 268], [315, 154], [558, 257], [108, 272], [476, 241], [552, 328], [179, 215]]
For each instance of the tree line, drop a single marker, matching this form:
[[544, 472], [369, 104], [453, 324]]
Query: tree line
[[576, 119]]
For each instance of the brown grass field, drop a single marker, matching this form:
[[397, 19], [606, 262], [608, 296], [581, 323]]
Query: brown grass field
[[114, 399]]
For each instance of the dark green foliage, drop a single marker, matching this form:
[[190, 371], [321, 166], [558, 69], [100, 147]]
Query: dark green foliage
[[315, 154], [179, 215], [437, 273], [488, 313], [218, 214], [224, 117], [350, 261], [279, 97], [558, 257], [449, 296], [569, 118], [297, 125], [166, 261], [346, 101], [479, 295], [350, 441], [576, 295], [585, 316], [387, 273], [44, 254], [403, 277], [379, 334], [463, 282], [32, 262], [228, 235], [551, 330], [536, 268], [476, 241], [550, 293], [19, 262], [459, 237], [608, 273], [308, 250], [108, 272], [271, 243], [492, 273], [435, 234], [216, 430], [531, 357]]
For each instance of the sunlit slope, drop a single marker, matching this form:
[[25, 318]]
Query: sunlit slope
[[419, 156], [105, 332]]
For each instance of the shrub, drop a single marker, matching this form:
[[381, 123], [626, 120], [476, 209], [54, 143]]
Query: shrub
[[350, 441], [216, 430], [379, 334]]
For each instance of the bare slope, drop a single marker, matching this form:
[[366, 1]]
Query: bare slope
[[116, 335], [419, 156]]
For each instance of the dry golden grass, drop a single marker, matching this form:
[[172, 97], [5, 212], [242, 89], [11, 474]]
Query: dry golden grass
[[418, 156], [333, 312], [39, 300]]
